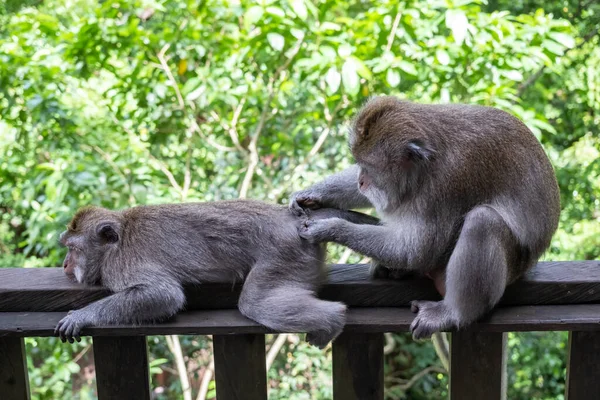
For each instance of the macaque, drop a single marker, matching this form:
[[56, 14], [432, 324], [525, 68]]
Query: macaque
[[466, 196], [145, 254]]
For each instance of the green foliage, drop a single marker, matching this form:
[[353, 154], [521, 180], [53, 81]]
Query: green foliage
[[122, 103]]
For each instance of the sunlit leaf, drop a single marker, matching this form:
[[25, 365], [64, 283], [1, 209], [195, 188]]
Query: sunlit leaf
[[276, 41], [299, 8], [350, 77], [392, 77], [442, 57], [333, 79], [457, 22]]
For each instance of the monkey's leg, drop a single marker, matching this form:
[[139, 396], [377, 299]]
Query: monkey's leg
[[382, 243], [136, 304], [288, 307], [476, 275], [350, 216], [337, 191]]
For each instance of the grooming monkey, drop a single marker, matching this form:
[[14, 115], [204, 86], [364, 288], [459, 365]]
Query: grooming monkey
[[466, 196], [145, 254]]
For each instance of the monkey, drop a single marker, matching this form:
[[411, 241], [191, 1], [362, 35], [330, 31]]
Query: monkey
[[145, 254], [466, 196]]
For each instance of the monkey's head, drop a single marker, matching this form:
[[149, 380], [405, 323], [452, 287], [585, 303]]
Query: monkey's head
[[390, 149], [91, 233]]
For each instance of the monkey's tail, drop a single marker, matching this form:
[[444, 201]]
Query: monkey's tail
[[351, 216]]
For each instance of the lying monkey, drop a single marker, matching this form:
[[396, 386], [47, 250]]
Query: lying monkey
[[145, 254]]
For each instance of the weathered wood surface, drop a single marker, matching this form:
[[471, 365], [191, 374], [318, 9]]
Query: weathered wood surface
[[240, 368], [583, 366], [583, 317], [122, 371], [548, 283], [14, 381], [478, 366], [358, 366]]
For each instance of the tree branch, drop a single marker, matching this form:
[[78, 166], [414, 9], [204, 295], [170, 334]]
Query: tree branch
[[274, 350], [175, 347], [165, 67], [252, 147], [392, 34]]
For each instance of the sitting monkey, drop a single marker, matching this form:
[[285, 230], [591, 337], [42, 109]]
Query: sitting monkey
[[145, 254], [466, 196]]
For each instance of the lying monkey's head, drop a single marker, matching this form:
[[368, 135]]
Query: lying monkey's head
[[390, 147], [89, 234]]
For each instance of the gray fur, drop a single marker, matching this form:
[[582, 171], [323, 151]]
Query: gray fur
[[145, 254], [465, 193]]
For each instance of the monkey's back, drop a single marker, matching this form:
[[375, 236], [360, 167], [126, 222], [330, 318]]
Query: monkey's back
[[490, 157], [215, 241]]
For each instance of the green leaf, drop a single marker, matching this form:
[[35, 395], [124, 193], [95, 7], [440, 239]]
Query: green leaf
[[407, 67], [275, 11], [350, 77], [333, 79], [565, 39], [457, 22], [553, 47], [299, 9], [392, 77], [276, 41], [252, 16], [361, 68], [514, 75], [344, 50], [442, 57]]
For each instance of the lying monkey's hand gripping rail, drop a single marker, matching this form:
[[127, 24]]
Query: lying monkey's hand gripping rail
[[562, 296]]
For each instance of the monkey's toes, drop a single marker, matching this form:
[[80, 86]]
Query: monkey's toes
[[414, 306], [319, 339], [68, 329], [431, 317]]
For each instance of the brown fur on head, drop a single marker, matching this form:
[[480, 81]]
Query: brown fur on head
[[390, 148], [385, 125], [90, 230]]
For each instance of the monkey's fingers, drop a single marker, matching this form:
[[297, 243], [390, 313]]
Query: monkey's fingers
[[414, 306]]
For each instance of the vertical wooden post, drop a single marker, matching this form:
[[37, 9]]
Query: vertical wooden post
[[240, 367], [122, 367], [583, 366], [14, 380], [478, 366], [358, 366]]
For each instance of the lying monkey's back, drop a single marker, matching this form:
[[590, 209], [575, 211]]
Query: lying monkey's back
[[212, 241]]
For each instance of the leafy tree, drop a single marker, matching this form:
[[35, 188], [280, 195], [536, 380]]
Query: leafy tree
[[123, 103]]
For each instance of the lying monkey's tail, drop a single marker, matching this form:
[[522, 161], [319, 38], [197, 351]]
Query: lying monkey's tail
[[351, 216]]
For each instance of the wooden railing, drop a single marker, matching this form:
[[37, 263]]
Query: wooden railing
[[562, 296]]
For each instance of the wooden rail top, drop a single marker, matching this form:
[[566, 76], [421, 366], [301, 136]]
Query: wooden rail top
[[552, 296]]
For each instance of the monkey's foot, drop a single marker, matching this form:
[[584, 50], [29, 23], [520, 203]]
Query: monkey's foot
[[319, 339], [432, 316], [69, 328], [321, 230]]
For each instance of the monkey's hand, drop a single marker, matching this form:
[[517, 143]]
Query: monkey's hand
[[70, 326], [321, 230], [305, 199]]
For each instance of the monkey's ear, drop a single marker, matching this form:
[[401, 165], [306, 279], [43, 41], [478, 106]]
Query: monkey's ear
[[107, 232], [418, 150]]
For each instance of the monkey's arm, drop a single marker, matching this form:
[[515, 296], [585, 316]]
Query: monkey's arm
[[376, 241], [337, 191], [144, 302]]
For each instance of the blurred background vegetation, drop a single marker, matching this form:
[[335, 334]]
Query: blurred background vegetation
[[120, 103]]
